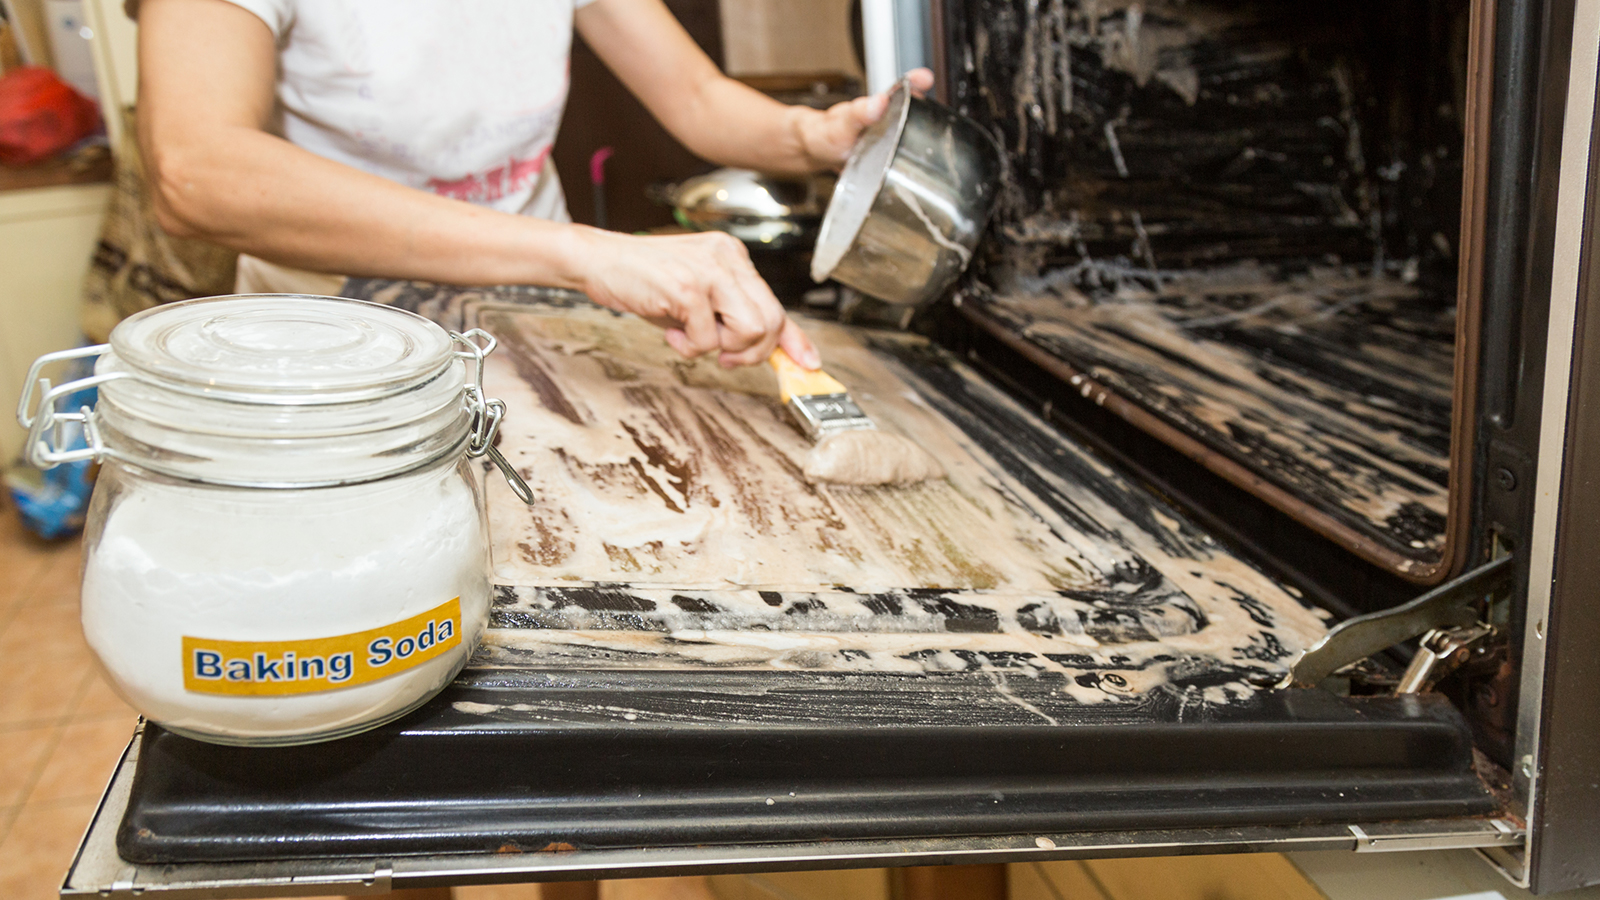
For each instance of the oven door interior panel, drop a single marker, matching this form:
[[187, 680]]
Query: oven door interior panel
[[690, 644]]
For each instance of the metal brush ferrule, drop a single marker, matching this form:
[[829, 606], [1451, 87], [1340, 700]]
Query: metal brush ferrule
[[820, 415]]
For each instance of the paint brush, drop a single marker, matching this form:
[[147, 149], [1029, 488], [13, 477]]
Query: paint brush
[[819, 402]]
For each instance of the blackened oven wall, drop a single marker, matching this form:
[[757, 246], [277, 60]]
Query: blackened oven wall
[[1178, 134]]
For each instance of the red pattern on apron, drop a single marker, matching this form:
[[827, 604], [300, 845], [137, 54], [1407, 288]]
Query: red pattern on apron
[[487, 187]]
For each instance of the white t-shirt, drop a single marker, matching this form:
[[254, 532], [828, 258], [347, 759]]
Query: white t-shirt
[[458, 98]]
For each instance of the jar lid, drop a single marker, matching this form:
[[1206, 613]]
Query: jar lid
[[290, 349], [281, 390]]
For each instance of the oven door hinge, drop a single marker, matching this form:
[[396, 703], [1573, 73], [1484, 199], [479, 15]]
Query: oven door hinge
[[1471, 834], [1448, 606], [1442, 651]]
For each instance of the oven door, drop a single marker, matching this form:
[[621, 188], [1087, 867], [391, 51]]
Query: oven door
[[699, 661]]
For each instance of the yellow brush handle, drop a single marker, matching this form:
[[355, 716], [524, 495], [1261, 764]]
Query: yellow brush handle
[[795, 381]]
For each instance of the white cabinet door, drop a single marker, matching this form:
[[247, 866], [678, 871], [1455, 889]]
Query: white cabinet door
[[46, 238]]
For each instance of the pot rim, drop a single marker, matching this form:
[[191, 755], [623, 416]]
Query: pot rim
[[869, 152]]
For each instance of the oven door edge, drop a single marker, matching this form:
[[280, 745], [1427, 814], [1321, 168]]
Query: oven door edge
[[98, 871], [1557, 758]]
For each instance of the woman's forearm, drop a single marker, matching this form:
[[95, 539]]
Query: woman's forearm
[[735, 125], [716, 117], [259, 194]]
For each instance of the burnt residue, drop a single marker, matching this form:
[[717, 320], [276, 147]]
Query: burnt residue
[[679, 473], [1198, 130], [1264, 646], [549, 549], [535, 374], [715, 452], [655, 488], [442, 302], [693, 604]]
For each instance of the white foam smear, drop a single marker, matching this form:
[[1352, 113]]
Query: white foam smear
[[868, 457], [651, 469], [1353, 450]]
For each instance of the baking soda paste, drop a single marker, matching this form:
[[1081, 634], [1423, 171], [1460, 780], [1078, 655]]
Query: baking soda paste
[[282, 616]]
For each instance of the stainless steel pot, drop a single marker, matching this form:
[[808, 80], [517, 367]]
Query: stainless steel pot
[[911, 203], [758, 209]]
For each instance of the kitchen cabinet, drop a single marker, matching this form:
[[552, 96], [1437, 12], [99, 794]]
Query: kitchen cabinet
[[787, 37], [47, 236]]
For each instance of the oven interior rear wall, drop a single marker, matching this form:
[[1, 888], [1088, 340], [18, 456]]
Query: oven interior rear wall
[[1202, 133]]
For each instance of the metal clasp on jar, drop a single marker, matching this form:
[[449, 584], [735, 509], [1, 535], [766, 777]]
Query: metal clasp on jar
[[486, 411], [45, 424]]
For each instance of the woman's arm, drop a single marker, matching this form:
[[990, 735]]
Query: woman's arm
[[206, 78], [714, 116]]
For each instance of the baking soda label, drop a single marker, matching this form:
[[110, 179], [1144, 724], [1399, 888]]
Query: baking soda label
[[319, 664]]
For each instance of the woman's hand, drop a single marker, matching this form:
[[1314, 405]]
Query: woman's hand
[[702, 288], [828, 136]]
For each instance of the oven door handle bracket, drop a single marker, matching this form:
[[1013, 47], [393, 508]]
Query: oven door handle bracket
[[1446, 606]]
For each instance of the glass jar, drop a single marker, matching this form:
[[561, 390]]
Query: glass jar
[[286, 542]]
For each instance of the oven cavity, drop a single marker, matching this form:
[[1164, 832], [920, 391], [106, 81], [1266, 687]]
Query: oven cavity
[[1239, 224]]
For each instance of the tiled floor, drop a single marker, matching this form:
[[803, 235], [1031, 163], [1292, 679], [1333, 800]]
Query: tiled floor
[[62, 730], [61, 726]]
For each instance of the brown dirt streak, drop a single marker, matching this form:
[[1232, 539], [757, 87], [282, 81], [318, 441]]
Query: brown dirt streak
[[526, 358]]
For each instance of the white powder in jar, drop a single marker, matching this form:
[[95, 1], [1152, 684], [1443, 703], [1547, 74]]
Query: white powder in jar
[[174, 560]]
